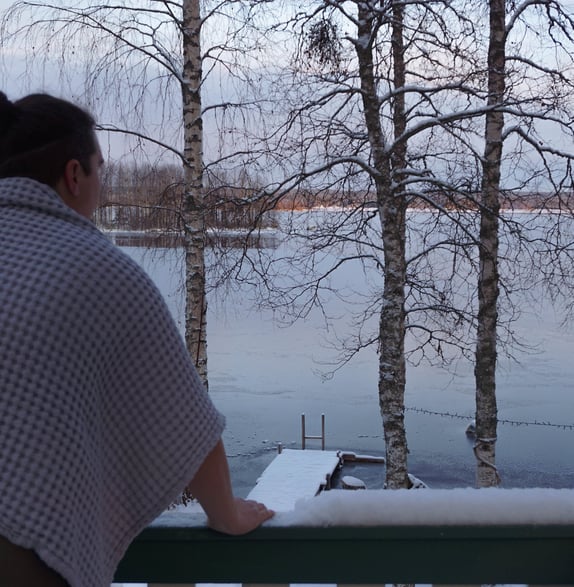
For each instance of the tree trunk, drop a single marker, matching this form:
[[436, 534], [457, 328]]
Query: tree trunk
[[392, 364], [392, 369], [485, 364], [196, 305], [391, 204]]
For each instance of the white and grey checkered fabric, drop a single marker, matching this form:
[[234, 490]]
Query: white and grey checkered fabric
[[103, 419]]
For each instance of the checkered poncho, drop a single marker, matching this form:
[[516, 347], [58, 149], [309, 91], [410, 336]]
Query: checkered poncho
[[103, 419]]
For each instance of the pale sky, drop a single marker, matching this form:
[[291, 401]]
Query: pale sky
[[15, 88]]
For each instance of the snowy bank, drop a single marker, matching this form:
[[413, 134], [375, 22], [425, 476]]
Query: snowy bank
[[428, 507]]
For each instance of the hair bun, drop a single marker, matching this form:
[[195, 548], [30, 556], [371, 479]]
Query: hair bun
[[9, 112]]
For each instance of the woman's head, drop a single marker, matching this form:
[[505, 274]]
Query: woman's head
[[41, 135]]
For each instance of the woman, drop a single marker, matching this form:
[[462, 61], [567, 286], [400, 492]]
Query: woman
[[103, 419]]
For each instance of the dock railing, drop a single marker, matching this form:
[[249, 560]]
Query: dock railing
[[179, 550]]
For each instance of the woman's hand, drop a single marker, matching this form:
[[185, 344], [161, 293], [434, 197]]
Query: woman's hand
[[226, 513], [249, 515]]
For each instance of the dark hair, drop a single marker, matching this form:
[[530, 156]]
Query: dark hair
[[39, 134]]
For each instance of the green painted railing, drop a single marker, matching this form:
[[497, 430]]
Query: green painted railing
[[537, 554]]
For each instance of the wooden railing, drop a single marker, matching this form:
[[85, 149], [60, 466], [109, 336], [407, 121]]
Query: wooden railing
[[527, 554]]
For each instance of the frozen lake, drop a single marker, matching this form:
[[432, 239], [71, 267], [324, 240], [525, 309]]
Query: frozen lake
[[263, 376]]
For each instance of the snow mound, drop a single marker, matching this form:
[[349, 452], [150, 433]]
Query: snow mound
[[434, 507]]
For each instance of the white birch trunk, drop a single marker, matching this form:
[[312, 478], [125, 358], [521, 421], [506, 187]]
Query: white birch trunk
[[196, 305], [391, 204], [485, 364]]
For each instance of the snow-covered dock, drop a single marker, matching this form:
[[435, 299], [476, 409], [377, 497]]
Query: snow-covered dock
[[294, 475]]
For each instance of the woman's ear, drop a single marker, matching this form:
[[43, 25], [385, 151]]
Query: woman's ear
[[71, 177], [68, 186]]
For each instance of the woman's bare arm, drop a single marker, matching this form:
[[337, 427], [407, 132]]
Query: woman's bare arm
[[211, 486]]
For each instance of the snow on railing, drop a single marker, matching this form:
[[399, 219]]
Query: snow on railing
[[433, 507], [464, 536]]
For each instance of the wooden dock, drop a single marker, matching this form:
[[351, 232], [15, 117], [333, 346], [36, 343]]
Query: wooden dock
[[293, 475]]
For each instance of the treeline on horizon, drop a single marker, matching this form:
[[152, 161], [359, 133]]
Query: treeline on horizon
[[148, 197]]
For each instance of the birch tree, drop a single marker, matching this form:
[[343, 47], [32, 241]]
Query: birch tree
[[552, 22], [194, 225], [139, 67], [488, 281], [392, 205]]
